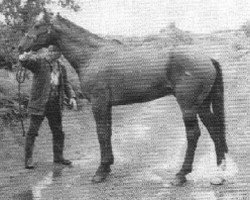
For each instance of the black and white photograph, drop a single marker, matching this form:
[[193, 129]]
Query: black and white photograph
[[124, 99]]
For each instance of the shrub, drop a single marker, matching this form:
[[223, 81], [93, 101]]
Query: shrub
[[246, 28]]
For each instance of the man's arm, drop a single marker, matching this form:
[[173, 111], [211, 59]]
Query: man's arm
[[70, 93]]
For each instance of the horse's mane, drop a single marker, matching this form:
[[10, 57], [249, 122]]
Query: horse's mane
[[72, 27]]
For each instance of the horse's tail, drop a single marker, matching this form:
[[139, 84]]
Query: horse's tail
[[217, 98]]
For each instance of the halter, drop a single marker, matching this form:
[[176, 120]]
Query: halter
[[35, 37]]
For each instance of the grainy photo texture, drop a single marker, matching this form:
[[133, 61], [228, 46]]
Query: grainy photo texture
[[135, 99]]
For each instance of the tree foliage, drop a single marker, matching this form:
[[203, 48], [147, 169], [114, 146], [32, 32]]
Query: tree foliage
[[8, 40], [18, 16], [246, 28]]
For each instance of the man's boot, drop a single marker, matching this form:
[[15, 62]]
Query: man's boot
[[58, 145], [29, 146]]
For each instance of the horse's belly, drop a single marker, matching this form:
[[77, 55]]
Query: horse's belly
[[130, 98], [138, 91]]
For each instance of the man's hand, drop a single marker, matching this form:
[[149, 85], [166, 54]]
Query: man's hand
[[73, 103], [31, 55], [24, 56]]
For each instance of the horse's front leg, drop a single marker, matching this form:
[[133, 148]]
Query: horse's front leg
[[102, 114]]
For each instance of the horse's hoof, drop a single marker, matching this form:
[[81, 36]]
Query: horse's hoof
[[179, 180], [98, 178], [101, 174], [217, 181]]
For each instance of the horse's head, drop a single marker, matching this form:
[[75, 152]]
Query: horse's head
[[41, 34]]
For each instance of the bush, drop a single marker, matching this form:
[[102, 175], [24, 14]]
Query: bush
[[9, 99], [176, 35], [246, 28]]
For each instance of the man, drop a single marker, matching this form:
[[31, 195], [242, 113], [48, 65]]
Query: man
[[46, 100]]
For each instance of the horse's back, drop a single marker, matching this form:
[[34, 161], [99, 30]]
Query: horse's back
[[141, 74]]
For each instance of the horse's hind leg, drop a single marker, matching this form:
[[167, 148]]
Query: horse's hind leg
[[212, 123], [189, 95], [213, 126], [193, 134]]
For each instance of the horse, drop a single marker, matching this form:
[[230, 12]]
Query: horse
[[113, 74]]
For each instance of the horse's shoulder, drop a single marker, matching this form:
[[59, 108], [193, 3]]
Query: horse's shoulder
[[105, 52]]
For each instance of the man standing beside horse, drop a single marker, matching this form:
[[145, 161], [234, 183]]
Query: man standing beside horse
[[49, 85]]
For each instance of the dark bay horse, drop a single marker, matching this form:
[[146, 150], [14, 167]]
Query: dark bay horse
[[113, 74]]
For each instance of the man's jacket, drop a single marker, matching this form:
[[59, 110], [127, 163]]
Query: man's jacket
[[40, 89]]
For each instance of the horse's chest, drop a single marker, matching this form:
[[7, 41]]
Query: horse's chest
[[91, 78]]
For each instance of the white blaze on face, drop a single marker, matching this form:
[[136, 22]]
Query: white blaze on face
[[23, 3], [40, 17]]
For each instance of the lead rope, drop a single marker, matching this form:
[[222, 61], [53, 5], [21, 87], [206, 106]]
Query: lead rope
[[20, 77]]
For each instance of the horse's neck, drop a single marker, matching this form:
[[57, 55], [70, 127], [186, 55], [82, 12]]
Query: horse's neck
[[79, 52], [78, 45]]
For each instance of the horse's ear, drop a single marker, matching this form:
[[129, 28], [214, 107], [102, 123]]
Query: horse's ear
[[44, 10], [45, 13], [46, 16]]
